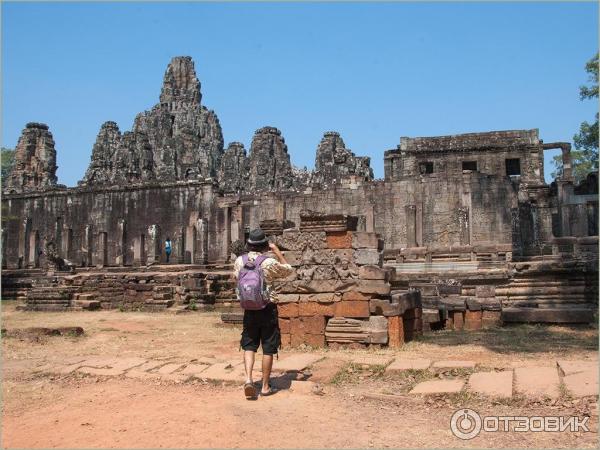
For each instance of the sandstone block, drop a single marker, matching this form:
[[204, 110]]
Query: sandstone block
[[339, 239], [438, 387], [361, 239], [351, 309], [373, 273], [378, 330], [485, 291], [378, 287], [458, 320], [537, 381], [395, 331], [316, 309], [473, 320], [356, 296], [401, 364], [284, 326], [294, 259], [582, 384], [315, 340], [491, 319], [307, 325], [287, 298], [287, 310], [286, 340], [367, 256], [324, 297], [299, 241], [493, 384]]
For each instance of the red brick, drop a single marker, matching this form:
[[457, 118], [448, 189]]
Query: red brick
[[473, 320], [307, 325], [339, 239], [351, 309], [458, 319], [395, 331], [315, 309], [356, 296], [287, 310], [286, 340], [284, 326], [315, 340]]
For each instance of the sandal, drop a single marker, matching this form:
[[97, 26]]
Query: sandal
[[271, 391], [249, 390]]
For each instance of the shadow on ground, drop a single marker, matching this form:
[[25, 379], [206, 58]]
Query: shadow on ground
[[525, 338]]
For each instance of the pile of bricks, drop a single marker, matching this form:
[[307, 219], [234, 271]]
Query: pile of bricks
[[338, 286]]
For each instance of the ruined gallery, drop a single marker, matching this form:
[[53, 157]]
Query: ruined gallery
[[462, 231]]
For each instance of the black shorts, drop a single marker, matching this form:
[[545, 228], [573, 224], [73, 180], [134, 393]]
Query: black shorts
[[261, 327]]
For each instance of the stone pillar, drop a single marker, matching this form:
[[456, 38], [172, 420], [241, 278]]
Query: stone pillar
[[464, 226], [153, 245], [58, 228], [410, 212], [419, 224], [88, 245], [4, 264], [202, 235], [24, 243], [190, 245], [34, 249], [67, 244], [237, 220], [567, 165], [370, 218], [226, 233], [139, 250], [102, 249], [121, 259], [181, 246]]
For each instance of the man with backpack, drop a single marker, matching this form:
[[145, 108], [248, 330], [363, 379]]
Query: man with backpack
[[255, 272]]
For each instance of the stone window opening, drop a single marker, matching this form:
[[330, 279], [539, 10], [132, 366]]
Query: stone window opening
[[426, 167], [513, 167], [469, 165]]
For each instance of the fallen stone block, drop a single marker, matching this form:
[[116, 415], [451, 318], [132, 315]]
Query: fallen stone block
[[351, 309], [572, 367], [582, 384], [169, 368], [453, 364], [296, 363]]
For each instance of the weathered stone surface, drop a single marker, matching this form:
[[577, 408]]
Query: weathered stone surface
[[364, 256], [373, 273], [35, 160], [269, 162], [438, 387], [334, 163], [395, 331], [178, 139], [351, 309], [233, 172], [401, 364], [307, 325], [582, 384], [571, 367], [453, 364], [537, 381], [361, 239], [493, 384], [300, 242], [295, 363]]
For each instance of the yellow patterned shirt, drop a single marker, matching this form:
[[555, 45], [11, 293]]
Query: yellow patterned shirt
[[272, 270]]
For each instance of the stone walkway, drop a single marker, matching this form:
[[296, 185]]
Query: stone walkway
[[574, 378]]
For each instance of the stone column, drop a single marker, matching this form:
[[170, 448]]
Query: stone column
[[67, 244], [153, 245], [24, 243], [34, 249], [121, 259], [370, 218], [181, 246], [190, 245], [88, 245], [464, 226], [567, 165], [4, 263], [226, 233], [58, 226], [410, 212], [202, 235], [139, 250], [102, 249], [237, 220]]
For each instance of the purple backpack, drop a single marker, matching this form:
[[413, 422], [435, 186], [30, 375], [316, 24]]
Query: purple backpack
[[251, 288]]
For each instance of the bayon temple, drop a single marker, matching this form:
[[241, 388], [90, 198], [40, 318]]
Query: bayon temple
[[463, 231]]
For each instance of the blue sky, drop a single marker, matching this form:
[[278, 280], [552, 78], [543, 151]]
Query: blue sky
[[373, 72]]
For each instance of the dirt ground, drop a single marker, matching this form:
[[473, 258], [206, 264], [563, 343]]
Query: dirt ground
[[77, 411]]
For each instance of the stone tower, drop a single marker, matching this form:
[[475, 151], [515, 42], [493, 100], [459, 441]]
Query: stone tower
[[35, 160], [334, 162]]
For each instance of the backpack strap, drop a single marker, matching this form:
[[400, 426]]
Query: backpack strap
[[244, 259], [259, 260]]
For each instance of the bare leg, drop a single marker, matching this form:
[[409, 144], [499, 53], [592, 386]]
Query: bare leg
[[248, 364], [267, 365]]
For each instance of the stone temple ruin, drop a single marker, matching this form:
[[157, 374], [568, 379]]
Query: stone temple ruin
[[462, 231]]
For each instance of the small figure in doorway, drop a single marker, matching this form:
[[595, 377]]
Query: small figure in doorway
[[168, 248]]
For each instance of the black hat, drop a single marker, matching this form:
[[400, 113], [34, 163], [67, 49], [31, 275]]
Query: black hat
[[257, 237]]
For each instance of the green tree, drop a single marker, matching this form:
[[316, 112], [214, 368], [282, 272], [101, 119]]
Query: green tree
[[584, 158], [7, 162]]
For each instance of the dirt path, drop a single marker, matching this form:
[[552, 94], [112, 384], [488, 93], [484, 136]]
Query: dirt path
[[82, 411]]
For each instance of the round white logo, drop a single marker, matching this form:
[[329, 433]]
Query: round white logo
[[465, 424]]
